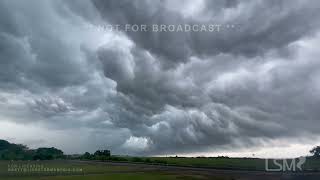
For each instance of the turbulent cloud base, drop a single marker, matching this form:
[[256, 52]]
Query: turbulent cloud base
[[159, 93]]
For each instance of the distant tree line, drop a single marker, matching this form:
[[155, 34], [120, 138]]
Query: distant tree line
[[105, 155], [98, 155], [10, 151]]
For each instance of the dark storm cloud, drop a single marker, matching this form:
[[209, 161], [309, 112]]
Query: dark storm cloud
[[48, 75], [157, 81], [259, 26], [20, 53], [165, 92]]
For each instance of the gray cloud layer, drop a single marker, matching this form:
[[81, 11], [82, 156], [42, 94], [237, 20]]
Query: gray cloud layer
[[162, 92]]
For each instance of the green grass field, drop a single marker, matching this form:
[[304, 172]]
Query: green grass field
[[119, 176], [222, 163], [90, 170], [87, 170]]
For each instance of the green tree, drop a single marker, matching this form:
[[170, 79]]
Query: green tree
[[106, 153], [316, 152], [102, 155], [48, 154], [86, 155], [10, 151]]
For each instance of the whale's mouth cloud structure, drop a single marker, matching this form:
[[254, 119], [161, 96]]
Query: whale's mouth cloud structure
[[68, 74]]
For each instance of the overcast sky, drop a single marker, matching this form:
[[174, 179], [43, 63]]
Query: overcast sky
[[251, 87]]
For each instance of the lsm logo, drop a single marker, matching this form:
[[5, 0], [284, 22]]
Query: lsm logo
[[285, 164]]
